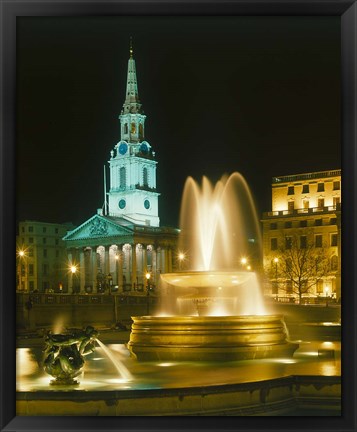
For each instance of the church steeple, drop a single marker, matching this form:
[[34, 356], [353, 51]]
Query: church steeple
[[133, 194], [132, 103]]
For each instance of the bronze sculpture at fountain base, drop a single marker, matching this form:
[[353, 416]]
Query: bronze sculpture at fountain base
[[64, 354]]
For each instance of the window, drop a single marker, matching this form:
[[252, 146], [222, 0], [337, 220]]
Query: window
[[289, 287], [45, 253], [291, 205], [303, 242], [122, 177], [288, 224], [31, 285], [321, 202], [288, 265], [273, 244], [45, 285], [126, 130], [334, 263], [145, 176], [318, 240], [30, 269], [305, 188], [303, 223], [56, 242], [23, 229], [333, 240], [288, 242], [45, 269], [30, 239], [305, 203], [318, 222], [30, 228], [336, 200], [320, 286], [133, 128], [273, 226], [30, 252], [336, 185], [291, 190], [320, 187], [44, 240], [333, 221], [44, 229], [141, 130], [56, 230]]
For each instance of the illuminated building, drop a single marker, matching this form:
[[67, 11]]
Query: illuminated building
[[306, 207], [41, 254], [116, 247]]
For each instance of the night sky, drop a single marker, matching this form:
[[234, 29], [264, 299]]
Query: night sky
[[258, 95]]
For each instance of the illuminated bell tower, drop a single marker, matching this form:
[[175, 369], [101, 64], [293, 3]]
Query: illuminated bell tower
[[132, 193]]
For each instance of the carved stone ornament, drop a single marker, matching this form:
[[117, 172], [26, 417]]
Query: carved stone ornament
[[98, 227]]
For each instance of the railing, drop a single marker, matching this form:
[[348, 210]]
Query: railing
[[302, 211], [307, 176], [83, 299]]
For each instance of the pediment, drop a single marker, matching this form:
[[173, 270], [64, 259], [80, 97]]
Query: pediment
[[98, 227]]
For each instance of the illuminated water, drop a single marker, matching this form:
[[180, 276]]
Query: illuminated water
[[216, 223]]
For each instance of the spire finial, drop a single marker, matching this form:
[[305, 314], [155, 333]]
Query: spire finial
[[131, 47]]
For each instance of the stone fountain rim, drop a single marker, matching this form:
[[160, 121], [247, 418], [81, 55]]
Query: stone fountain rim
[[225, 318]]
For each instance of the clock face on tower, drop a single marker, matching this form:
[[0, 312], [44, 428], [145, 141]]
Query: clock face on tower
[[147, 204], [123, 148], [122, 204], [144, 147]]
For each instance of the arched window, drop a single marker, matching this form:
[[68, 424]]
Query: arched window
[[122, 177], [126, 128], [133, 128], [145, 177], [141, 130]]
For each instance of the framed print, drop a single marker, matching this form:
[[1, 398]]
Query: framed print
[[173, 238]]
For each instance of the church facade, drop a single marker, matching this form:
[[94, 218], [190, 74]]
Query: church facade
[[123, 247]]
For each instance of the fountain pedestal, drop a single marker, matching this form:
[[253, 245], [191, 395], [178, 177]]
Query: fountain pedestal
[[208, 338]]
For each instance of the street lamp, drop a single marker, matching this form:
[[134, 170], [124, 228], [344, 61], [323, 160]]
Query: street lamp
[[244, 261], [73, 269], [326, 294], [148, 275], [22, 255], [181, 257], [276, 260]]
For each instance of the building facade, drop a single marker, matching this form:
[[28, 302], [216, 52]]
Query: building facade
[[302, 237], [41, 257], [123, 247]]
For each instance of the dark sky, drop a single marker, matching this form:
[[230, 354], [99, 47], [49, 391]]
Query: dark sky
[[258, 95]]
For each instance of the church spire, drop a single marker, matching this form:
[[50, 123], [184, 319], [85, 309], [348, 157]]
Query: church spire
[[132, 103]]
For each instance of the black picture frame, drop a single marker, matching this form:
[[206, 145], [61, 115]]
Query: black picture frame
[[10, 10]]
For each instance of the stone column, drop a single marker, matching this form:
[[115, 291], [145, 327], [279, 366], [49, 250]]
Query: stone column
[[169, 259], [133, 266], [94, 268], [82, 272], [145, 261], [106, 266], [120, 267]]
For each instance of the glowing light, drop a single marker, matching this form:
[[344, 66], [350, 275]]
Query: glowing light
[[148, 275], [276, 260], [249, 268], [243, 261], [73, 269]]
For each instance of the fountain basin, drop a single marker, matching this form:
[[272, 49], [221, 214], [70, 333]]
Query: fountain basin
[[209, 338]]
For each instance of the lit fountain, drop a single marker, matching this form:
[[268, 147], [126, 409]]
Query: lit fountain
[[212, 313]]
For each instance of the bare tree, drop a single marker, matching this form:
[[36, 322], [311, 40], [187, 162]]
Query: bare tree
[[300, 262]]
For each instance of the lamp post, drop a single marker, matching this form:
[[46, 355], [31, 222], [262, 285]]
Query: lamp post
[[22, 255], [73, 270], [276, 260], [181, 257], [148, 275]]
